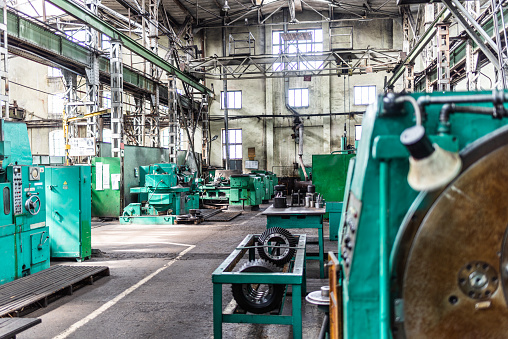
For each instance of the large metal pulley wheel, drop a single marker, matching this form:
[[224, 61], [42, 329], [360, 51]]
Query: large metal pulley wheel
[[453, 263], [278, 245], [33, 204], [258, 298]]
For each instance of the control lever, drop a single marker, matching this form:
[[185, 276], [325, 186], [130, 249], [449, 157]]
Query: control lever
[[39, 247]]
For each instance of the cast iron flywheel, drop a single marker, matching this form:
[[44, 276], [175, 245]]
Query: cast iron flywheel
[[258, 298]]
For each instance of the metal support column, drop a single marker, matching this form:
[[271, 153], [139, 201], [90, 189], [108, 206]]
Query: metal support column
[[472, 79], [139, 120], [116, 66], [428, 54], [92, 77], [154, 119], [443, 56], [117, 128], [174, 126], [497, 9], [225, 91], [409, 72], [71, 107], [4, 65]]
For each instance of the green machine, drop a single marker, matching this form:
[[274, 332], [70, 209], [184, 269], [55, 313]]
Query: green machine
[[329, 172], [215, 193], [423, 239], [24, 235], [68, 211], [105, 196], [270, 181], [166, 191], [246, 191]]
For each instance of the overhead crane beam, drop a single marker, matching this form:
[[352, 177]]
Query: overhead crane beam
[[93, 21]]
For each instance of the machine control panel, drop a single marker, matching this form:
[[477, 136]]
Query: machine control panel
[[347, 246], [17, 189]]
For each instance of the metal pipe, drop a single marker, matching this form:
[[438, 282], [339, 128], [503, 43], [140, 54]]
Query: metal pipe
[[225, 90], [447, 109], [384, 252]]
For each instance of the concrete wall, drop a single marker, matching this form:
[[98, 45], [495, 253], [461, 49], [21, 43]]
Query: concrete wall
[[275, 148]]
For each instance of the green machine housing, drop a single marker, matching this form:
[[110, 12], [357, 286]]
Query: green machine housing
[[165, 189], [269, 181], [247, 190], [69, 211], [382, 215], [24, 235], [329, 173]]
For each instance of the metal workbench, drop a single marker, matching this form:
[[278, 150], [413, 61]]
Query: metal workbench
[[294, 276], [300, 217]]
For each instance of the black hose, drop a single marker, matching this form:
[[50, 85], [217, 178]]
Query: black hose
[[324, 327]]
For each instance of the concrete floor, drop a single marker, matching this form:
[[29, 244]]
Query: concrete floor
[[160, 285]]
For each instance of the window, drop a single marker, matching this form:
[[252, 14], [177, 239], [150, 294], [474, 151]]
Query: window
[[365, 95], [235, 144], [298, 97], [56, 143], [297, 41], [54, 72], [234, 100], [106, 135], [56, 103], [358, 132], [106, 99]]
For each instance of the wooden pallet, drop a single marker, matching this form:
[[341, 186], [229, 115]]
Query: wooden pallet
[[32, 292]]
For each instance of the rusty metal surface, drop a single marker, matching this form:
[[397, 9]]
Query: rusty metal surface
[[465, 225], [294, 210]]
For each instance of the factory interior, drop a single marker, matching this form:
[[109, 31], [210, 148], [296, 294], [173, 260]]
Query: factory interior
[[253, 169]]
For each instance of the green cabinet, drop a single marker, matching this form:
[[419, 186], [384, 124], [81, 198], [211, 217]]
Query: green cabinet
[[106, 201], [68, 211]]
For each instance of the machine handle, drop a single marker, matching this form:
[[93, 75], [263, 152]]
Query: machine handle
[[39, 247]]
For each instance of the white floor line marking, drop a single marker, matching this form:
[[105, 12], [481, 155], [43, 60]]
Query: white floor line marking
[[119, 297], [230, 307]]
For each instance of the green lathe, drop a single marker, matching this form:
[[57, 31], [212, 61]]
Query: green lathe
[[24, 236], [423, 237]]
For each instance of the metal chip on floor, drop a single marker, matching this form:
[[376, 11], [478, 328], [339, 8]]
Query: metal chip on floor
[[29, 293], [224, 216]]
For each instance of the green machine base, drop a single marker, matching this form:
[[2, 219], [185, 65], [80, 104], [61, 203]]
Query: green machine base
[[148, 220]]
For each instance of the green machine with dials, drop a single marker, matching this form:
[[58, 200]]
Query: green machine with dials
[[423, 239], [246, 191], [24, 235]]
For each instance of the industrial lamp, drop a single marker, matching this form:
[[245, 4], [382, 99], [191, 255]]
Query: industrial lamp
[[430, 166], [226, 7]]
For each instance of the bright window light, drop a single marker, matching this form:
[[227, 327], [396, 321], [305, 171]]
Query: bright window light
[[365, 95], [298, 97], [234, 100]]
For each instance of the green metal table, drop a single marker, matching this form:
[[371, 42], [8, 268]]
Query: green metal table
[[300, 217], [295, 277]]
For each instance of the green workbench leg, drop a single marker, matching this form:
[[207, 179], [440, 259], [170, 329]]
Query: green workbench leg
[[217, 311], [321, 254], [297, 311]]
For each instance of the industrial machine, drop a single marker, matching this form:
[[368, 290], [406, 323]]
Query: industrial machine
[[246, 191], [270, 181], [423, 239], [24, 235], [166, 191], [69, 211]]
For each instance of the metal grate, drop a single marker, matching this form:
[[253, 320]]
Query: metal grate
[[32, 292]]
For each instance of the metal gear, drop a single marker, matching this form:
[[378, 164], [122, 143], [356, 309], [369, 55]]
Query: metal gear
[[258, 298], [279, 240]]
